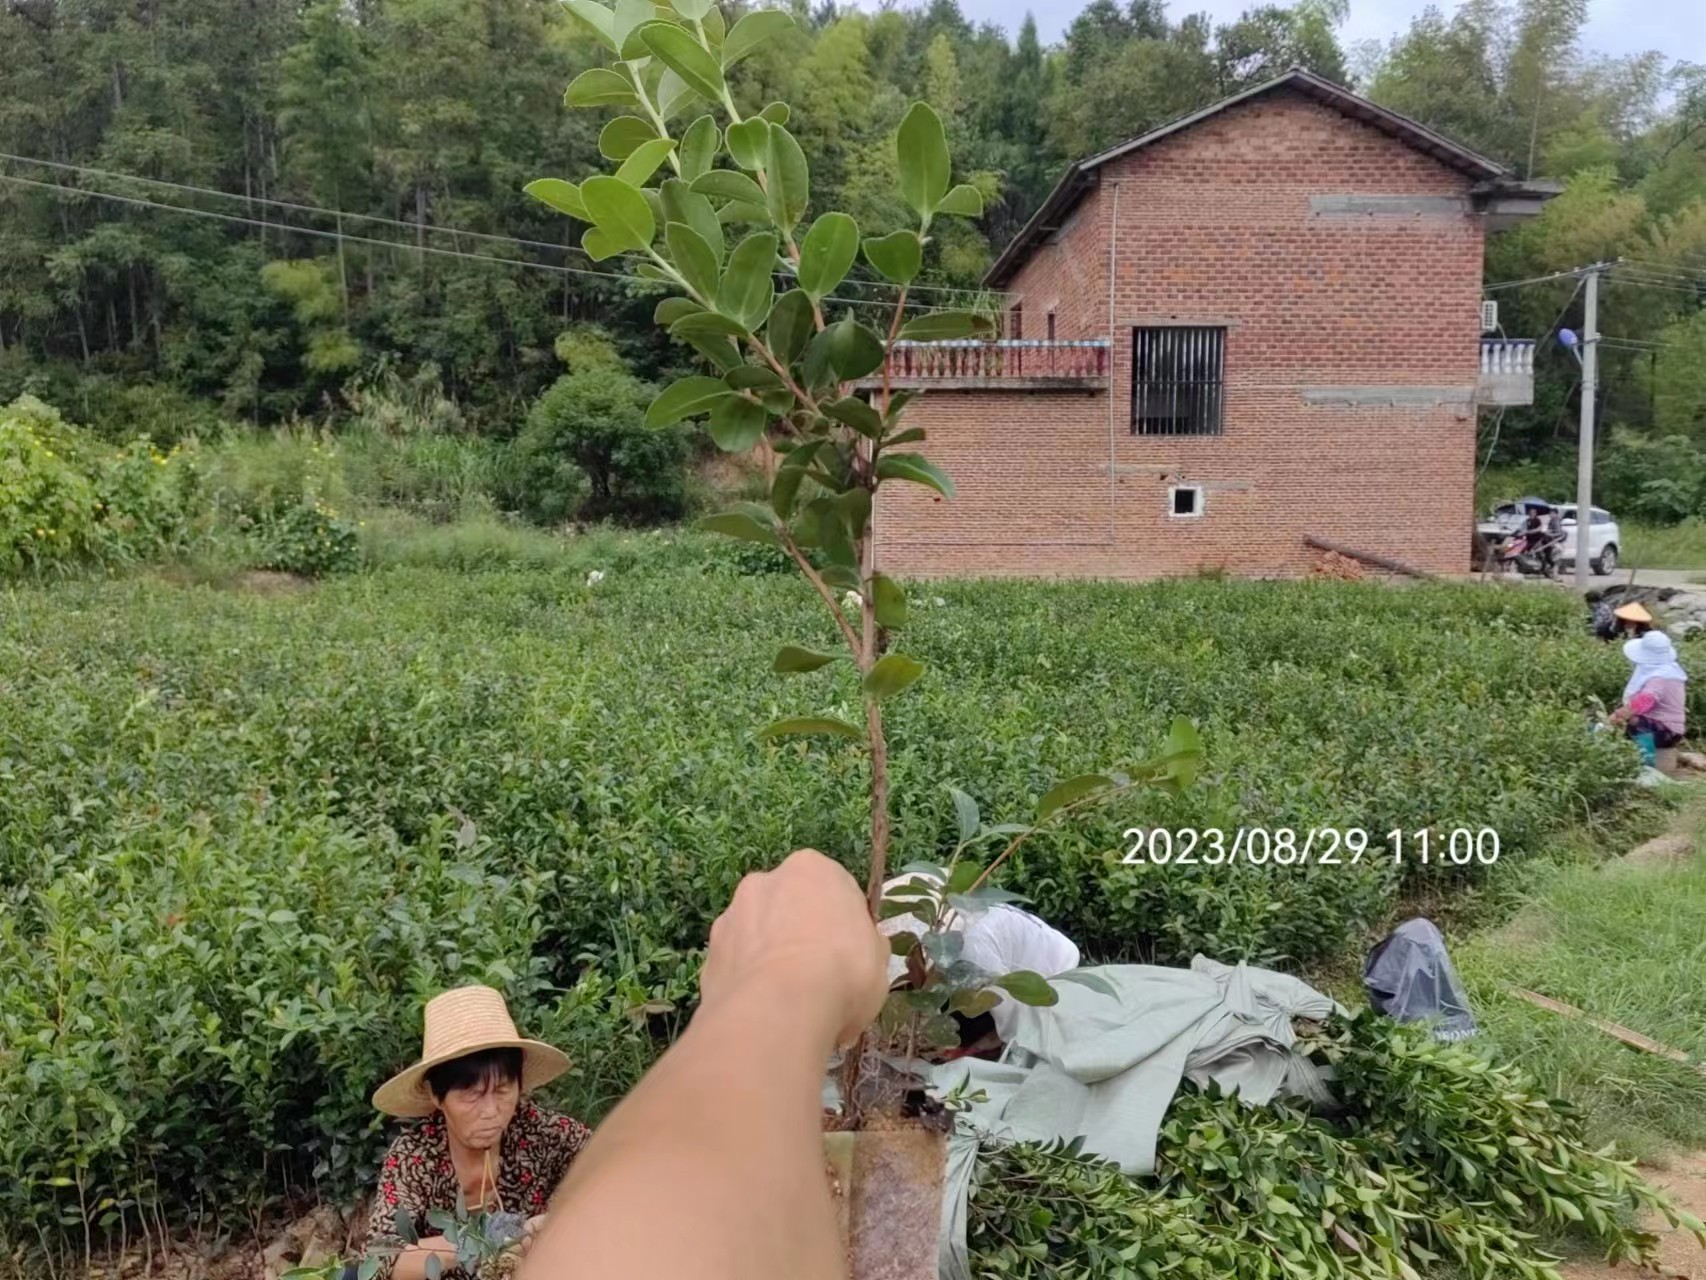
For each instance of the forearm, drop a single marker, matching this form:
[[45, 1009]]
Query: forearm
[[725, 1131]]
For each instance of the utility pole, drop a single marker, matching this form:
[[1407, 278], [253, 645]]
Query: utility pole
[[1584, 455]]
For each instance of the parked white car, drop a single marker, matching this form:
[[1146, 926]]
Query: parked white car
[[1604, 541]]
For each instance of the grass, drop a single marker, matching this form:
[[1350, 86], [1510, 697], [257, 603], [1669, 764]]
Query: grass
[[1676, 546], [1626, 944]]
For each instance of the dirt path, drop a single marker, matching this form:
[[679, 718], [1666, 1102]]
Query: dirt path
[[1680, 1254]]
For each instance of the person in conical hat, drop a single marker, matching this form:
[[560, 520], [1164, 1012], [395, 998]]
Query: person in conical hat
[[481, 1138]]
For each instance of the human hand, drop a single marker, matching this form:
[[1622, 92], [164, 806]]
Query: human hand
[[805, 928], [530, 1231]]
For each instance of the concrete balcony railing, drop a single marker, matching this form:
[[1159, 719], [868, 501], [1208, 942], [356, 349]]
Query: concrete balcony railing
[[1011, 364], [1507, 371]]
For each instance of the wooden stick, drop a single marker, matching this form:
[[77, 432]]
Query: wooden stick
[[1368, 557], [1634, 1039]]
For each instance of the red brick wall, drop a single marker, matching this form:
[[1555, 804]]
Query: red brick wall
[[1215, 226]]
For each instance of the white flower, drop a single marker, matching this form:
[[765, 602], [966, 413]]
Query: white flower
[[595, 577], [852, 602], [939, 602]]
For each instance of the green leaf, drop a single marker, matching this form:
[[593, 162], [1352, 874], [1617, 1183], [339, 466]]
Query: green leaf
[[403, 1225], [623, 136], [776, 113], [827, 254], [922, 147], [965, 872], [1064, 793], [631, 15], [903, 942], [686, 399], [888, 600], [753, 377], [855, 506], [741, 211], [747, 288], [598, 19], [964, 200], [785, 490], [706, 324], [812, 725], [790, 325], [694, 10], [966, 814], [681, 205], [912, 435], [854, 350], [434, 1266], [737, 423], [946, 326], [972, 1004], [789, 178], [564, 197], [693, 258], [749, 142], [899, 257], [718, 348], [716, 28], [753, 30], [600, 87], [726, 184], [1028, 988], [699, 147], [916, 468], [673, 94], [601, 245], [741, 524], [682, 54], [620, 211], [643, 161], [793, 660], [892, 673], [853, 412]]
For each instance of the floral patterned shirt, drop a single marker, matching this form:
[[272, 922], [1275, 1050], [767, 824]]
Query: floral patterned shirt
[[418, 1176]]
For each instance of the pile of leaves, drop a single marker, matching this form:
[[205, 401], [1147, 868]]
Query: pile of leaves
[[1435, 1156]]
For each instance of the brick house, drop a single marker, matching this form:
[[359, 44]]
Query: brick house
[[1258, 323]]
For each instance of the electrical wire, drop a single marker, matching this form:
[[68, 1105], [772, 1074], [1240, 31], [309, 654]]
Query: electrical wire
[[417, 227], [397, 245], [1574, 273]]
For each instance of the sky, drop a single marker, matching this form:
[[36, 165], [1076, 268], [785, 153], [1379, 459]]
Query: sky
[[1676, 28]]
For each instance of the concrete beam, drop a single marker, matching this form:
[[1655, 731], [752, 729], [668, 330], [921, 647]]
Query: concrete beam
[[1397, 397], [1389, 206]]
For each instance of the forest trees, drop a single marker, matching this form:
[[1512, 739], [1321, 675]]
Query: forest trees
[[418, 120]]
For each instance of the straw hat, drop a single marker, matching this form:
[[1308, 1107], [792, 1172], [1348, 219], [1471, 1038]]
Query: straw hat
[[459, 1022], [1633, 612]]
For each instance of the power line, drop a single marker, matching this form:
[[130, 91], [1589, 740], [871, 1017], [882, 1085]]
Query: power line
[[327, 235], [1574, 274], [397, 245], [341, 215]]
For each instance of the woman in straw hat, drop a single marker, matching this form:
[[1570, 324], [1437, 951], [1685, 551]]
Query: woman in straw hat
[[482, 1139], [1655, 700]]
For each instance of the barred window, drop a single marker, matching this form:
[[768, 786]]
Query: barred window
[[1178, 380]]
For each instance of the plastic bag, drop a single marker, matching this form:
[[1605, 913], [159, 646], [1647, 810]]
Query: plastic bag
[[1410, 977]]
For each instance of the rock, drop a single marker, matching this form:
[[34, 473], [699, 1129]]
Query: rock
[[1687, 627], [278, 1257]]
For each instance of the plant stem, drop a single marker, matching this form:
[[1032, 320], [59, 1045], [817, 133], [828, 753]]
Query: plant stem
[[822, 587], [653, 112], [874, 729]]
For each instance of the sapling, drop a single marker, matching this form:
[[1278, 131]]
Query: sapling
[[712, 202]]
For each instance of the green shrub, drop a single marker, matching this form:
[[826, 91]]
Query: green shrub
[[1432, 1157], [307, 539], [586, 450], [311, 754], [47, 501]]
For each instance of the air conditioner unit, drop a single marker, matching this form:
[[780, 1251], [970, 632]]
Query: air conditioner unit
[[1489, 316]]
